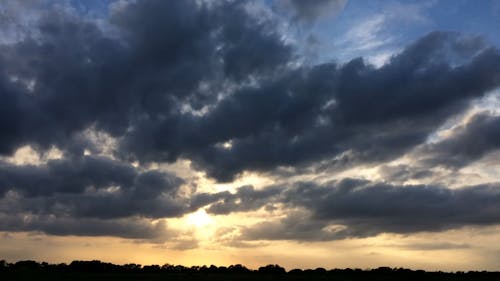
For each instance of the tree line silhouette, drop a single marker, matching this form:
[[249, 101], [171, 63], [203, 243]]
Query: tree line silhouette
[[98, 270]]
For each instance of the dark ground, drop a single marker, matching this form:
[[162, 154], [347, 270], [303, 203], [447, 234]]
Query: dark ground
[[97, 270]]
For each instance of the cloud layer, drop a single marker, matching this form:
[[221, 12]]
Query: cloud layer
[[358, 208], [222, 86]]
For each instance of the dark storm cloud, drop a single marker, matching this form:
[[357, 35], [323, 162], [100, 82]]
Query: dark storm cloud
[[357, 208], [171, 79], [166, 56], [463, 145], [468, 143], [421, 80], [132, 228], [245, 199], [74, 175], [374, 208], [91, 187], [374, 114], [403, 173], [67, 68], [81, 77], [90, 196], [65, 176]]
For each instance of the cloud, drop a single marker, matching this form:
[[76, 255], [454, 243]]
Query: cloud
[[473, 140], [90, 187], [76, 175], [309, 11], [242, 88], [220, 86], [468, 143], [16, 18], [437, 246], [353, 208], [89, 196], [401, 173], [368, 208], [81, 77], [245, 199], [375, 114], [297, 226], [131, 228], [366, 35]]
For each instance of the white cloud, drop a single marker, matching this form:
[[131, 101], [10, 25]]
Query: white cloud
[[366, 35]]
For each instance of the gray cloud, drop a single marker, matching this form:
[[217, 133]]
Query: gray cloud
[[81, 77], [89, 196], [173, 79], [308, 11], [73, 76], [468, 143], [437, 246], [359, 208], [245, 199], [131, 228], [75, 175], [402, 173], [297, 226], [462, 146], [90, 187], [375, 208], [375, 114]]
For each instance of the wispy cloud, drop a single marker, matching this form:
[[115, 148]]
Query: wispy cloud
[[366, 35]]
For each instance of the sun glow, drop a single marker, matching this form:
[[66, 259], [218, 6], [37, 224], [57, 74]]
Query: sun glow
[[199, 219]]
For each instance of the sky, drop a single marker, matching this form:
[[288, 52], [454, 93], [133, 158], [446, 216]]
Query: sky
[[325, 133]]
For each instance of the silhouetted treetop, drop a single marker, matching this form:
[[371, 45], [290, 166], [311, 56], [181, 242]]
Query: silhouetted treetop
[[98, 270]]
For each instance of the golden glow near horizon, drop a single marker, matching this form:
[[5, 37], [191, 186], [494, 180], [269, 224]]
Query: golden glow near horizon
[[420, 251], [210, 239], [204, 238]]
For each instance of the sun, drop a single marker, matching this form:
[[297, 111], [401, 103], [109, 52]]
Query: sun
[[199, 219]]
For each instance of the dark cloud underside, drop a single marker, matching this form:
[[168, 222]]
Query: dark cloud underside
[[357, 208], [477, 138]]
